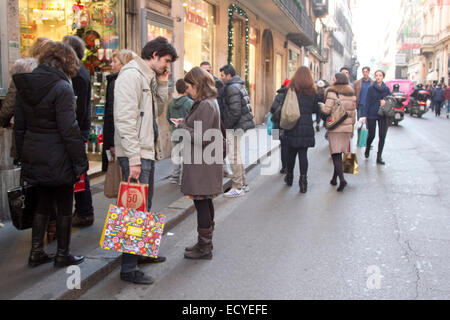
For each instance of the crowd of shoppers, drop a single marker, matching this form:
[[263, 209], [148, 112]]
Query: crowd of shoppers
[[50, 98]]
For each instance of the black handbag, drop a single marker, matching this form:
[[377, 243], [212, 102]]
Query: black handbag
[[22, 205]]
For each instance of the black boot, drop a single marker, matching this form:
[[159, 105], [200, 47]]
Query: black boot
[[37, 254], [342, 186], [63, 233], [289, 179], [367, 153], [303, 184], [380, 160], [333, 180]]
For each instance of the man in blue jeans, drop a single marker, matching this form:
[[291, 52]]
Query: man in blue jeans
[[140, 94], [361, 87]]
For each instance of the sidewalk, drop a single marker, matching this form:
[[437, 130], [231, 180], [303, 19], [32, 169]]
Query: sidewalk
[[18, 281]]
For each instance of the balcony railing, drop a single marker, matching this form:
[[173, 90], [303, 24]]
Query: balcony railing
[[299, 16]]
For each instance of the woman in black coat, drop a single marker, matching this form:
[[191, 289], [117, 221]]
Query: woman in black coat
[[301, 137], [50, 145]]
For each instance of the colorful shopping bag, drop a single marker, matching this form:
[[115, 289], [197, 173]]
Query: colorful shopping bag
[[132, 231], [363, 137], [135, 194], [80, 186]]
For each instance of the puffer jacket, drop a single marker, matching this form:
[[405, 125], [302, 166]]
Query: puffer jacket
[[48, 138], [139, 99], [348, 99], [275, 110], [238, 110], [302, 135]]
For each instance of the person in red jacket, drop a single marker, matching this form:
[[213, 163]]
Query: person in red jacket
[[447, 99]]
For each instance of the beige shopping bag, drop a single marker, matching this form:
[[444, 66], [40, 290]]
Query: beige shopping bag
[[113, 179], [290, 112]]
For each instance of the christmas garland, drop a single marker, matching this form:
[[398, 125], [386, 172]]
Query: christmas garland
[[231, 10]]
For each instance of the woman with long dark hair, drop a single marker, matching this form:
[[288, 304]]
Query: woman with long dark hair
[[202, 180], [375, 98], [301, 137], [51, 148], [339, 138]]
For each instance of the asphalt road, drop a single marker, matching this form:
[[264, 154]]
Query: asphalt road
[[386, 236]]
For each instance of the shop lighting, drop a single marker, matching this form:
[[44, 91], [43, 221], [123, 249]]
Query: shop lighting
[[185, 4]]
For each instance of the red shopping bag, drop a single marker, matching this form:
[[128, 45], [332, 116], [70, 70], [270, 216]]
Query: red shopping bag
[[132, 231], [80, 186], [132, 195]]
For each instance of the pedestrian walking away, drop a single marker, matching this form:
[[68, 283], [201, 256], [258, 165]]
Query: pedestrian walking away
[[238, 118], [84, 210], [50, 146], [202, 181], [275, 110], [437, 98], [140, 93], [339, 137], [301, 137], [375, 95]]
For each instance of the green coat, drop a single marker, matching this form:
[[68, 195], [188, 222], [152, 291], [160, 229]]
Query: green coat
[[178, 109]]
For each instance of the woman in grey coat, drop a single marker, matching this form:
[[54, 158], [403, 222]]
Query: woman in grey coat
[[203, 157]]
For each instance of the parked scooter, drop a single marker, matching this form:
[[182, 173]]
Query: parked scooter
[[420, 104]]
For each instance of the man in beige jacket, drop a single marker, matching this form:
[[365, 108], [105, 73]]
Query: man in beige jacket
[[140, 95]]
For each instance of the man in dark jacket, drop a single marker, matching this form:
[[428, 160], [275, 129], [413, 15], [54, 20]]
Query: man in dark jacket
[[84, 211], [238, 117], [437, 99]]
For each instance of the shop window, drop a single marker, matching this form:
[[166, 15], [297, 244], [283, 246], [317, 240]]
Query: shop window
[[94, 21], [292, 63], [199, 32]]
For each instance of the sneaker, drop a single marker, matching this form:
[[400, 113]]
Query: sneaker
[[246, 188], [80, 222], [234, 193], [136, 277]]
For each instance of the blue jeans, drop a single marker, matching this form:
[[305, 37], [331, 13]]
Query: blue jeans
[[448, 106], [130, 261]]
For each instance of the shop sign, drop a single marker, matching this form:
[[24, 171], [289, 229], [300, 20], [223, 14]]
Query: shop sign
[[195, 18]]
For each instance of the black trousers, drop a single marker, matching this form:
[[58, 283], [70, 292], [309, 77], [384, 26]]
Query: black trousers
[[284, 151], [382, 132], [53, 201], [302, 157], [205, 213], [437, 107]]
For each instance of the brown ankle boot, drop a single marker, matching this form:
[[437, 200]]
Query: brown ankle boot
[[203, 249], [194, 247]]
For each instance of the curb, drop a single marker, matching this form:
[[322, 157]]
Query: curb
[[100, 263]]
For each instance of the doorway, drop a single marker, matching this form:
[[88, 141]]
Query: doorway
[[268, 74]]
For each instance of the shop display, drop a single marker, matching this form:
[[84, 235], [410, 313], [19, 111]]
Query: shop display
[[94, 21]]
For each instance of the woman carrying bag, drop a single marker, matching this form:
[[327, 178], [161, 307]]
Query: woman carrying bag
[[201, 181], [301, 137], [51, 148], [375, 98], [340, 94]]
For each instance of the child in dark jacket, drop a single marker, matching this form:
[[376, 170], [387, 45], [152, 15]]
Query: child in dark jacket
[[178, 109]]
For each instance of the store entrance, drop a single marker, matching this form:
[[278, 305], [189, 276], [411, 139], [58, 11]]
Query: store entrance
[[268, 74]]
